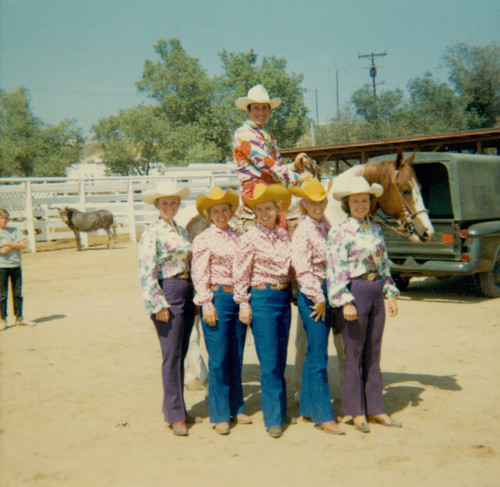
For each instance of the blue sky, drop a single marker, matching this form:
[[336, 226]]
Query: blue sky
[[80, 59]]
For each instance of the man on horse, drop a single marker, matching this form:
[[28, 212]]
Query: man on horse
[[255, 149]]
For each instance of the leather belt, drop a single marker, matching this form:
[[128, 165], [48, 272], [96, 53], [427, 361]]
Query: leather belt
[[217, 287], [184, 275], [369, 276], [279, 287]]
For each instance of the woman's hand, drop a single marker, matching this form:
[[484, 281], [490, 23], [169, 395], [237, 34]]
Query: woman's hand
[[319, 311], [392, 305], [300, 161], [350, 312], [163, 315], [245, 316], [210, 316]]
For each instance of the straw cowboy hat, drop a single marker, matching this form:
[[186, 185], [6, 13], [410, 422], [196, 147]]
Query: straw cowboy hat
[[356, 185], [217, 196], [257, 94], [165, 188], [311, 190], [272, 192]]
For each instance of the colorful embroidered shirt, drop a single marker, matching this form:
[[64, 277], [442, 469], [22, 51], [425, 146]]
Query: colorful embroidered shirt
[[164, 251], [354, 249], [263, 257], [309, 256], [257, 156], [213, 253]]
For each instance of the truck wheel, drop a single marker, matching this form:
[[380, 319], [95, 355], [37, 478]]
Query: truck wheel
[[402, 283], [490, 281]]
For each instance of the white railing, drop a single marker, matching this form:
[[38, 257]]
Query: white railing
[[33, 202]]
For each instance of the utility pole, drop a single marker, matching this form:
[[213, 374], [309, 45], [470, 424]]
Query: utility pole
[[373, 69], [373, 75]]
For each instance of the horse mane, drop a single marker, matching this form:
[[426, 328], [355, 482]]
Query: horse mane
[[380, 172]]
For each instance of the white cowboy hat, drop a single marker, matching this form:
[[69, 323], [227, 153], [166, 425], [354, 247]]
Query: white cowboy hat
[[257, 94], [165, 188], [217, 196], [270, 192], [356, 185]]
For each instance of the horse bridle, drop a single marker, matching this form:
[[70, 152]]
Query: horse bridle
[[407, 228]]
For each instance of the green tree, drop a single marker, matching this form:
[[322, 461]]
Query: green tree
[[177, 83], [58, 148], [475, 73], [28, 147], [130, 140], [434, 107]]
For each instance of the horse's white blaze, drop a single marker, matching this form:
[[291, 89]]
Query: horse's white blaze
[[421, 221]]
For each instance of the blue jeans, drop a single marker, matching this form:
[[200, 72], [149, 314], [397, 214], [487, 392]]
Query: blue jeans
[[271, 313], [225, 343], [315, 396], [16, 281]]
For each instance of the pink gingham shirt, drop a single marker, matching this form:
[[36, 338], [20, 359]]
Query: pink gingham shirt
[[309, 256], [263, 257], [213, 253]]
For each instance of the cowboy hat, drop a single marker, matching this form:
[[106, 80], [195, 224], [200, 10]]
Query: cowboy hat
[[272, 192], [217, 196], [311, 190], [164, 188], [257, 94], [356, 185]]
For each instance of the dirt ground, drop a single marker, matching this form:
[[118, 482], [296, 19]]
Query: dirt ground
[[80, 393]]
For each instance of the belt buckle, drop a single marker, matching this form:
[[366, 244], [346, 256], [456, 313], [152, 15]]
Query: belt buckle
[[371, 276]]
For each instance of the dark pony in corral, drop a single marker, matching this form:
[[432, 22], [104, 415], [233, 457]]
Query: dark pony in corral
[[78, 221]]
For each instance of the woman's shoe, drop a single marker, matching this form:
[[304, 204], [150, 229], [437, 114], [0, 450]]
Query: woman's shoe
[[360, 424], [180, 429], [385, 420], [242, 419], [275, 431], [331, 427], [222, 428]]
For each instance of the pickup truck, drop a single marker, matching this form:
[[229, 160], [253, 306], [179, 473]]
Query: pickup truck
[[462, 195]]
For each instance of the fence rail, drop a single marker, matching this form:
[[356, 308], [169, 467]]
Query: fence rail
[[33, 202]]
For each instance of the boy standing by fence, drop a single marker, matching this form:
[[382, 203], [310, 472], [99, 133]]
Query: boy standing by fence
[[11, 244]]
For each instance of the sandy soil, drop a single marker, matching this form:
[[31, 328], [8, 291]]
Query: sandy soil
[[80, 397]]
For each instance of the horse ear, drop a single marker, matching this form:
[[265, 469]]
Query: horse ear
[[410, 159], [399, 159]]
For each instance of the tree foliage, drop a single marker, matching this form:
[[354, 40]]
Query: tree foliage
[[28, 147], [194, 116], [475, 74]]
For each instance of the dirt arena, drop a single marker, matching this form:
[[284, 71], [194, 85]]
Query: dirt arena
[[80, 394]]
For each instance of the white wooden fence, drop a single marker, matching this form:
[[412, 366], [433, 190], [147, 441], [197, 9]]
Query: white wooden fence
[[32, 202]]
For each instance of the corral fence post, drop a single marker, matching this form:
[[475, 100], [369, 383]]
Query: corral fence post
[[83, 207], [30, 220], [131, 211]]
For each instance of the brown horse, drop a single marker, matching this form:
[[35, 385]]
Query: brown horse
[[401, 199]]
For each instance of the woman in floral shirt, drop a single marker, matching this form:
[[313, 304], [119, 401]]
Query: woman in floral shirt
[[212, 271], [358, 278], [164, 261], [262, 273], [309, 262]]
